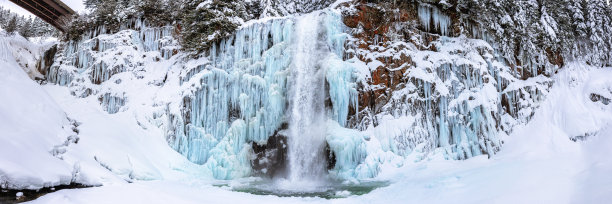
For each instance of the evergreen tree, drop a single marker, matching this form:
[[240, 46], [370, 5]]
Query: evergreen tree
[[11, 26], [26, 29], [209, 21], [597, 23]]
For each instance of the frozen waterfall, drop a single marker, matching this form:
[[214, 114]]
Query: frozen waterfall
[[272, 73]]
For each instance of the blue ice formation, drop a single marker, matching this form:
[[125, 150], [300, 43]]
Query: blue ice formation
[[110, 103], [241, 96]]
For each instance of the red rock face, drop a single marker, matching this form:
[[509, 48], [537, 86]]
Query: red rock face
[[376, 20], [555, 57], [375, 23]]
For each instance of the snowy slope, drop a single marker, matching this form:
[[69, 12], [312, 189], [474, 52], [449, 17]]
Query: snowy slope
[[31, 125]]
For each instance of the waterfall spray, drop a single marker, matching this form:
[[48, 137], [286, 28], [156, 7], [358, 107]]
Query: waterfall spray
[[307, 103]]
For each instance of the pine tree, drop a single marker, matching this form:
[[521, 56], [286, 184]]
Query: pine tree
[[597, 23], [26, 29], [11, 27], [4, 16], [209, 21], [158, 12]]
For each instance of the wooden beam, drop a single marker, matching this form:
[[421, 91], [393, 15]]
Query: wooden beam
[[61, 11], [32, 9], [50, 11], [41, 6], [70, 11]]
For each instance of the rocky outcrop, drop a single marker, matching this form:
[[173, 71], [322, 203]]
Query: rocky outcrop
[[462, 94], [270, 159], [46, 60]]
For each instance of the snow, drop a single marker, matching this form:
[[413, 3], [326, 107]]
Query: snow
[[26, 149], [538, 164]]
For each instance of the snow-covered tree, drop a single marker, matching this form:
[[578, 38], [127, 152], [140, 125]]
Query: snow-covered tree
[[598, 23], [527, 31], [287, 7], [25, 29], [26, 26], [207, 21], [11, 26]]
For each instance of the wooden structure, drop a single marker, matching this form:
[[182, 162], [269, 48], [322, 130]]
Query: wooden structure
[[54, 12]]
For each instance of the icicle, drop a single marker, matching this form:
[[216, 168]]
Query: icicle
[[245, 81], [339, 74], [432, 16]]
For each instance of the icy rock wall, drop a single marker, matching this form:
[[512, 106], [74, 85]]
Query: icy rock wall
[[241, 88], [101, 55], [424, 93], [233, 96], [418, 94], [110, 103], [90, 66]]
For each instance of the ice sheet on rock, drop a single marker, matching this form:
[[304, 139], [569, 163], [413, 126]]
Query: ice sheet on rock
[[359, 155], [340, 74], [103, 55], [245, 80], [349, 148]]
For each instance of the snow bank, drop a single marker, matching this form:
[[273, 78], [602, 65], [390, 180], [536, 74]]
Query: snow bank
[[31, 126]]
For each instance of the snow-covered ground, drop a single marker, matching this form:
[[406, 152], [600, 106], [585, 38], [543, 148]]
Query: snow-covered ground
[[538, 164]]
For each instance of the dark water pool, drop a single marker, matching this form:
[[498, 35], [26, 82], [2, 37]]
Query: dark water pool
[[327, 190]]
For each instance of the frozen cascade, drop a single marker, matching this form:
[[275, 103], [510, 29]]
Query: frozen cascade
[[111, 104], [307, 121], [240, 95], [88, 64]]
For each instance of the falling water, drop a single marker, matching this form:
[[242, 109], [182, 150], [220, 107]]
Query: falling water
[[307, 102]]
